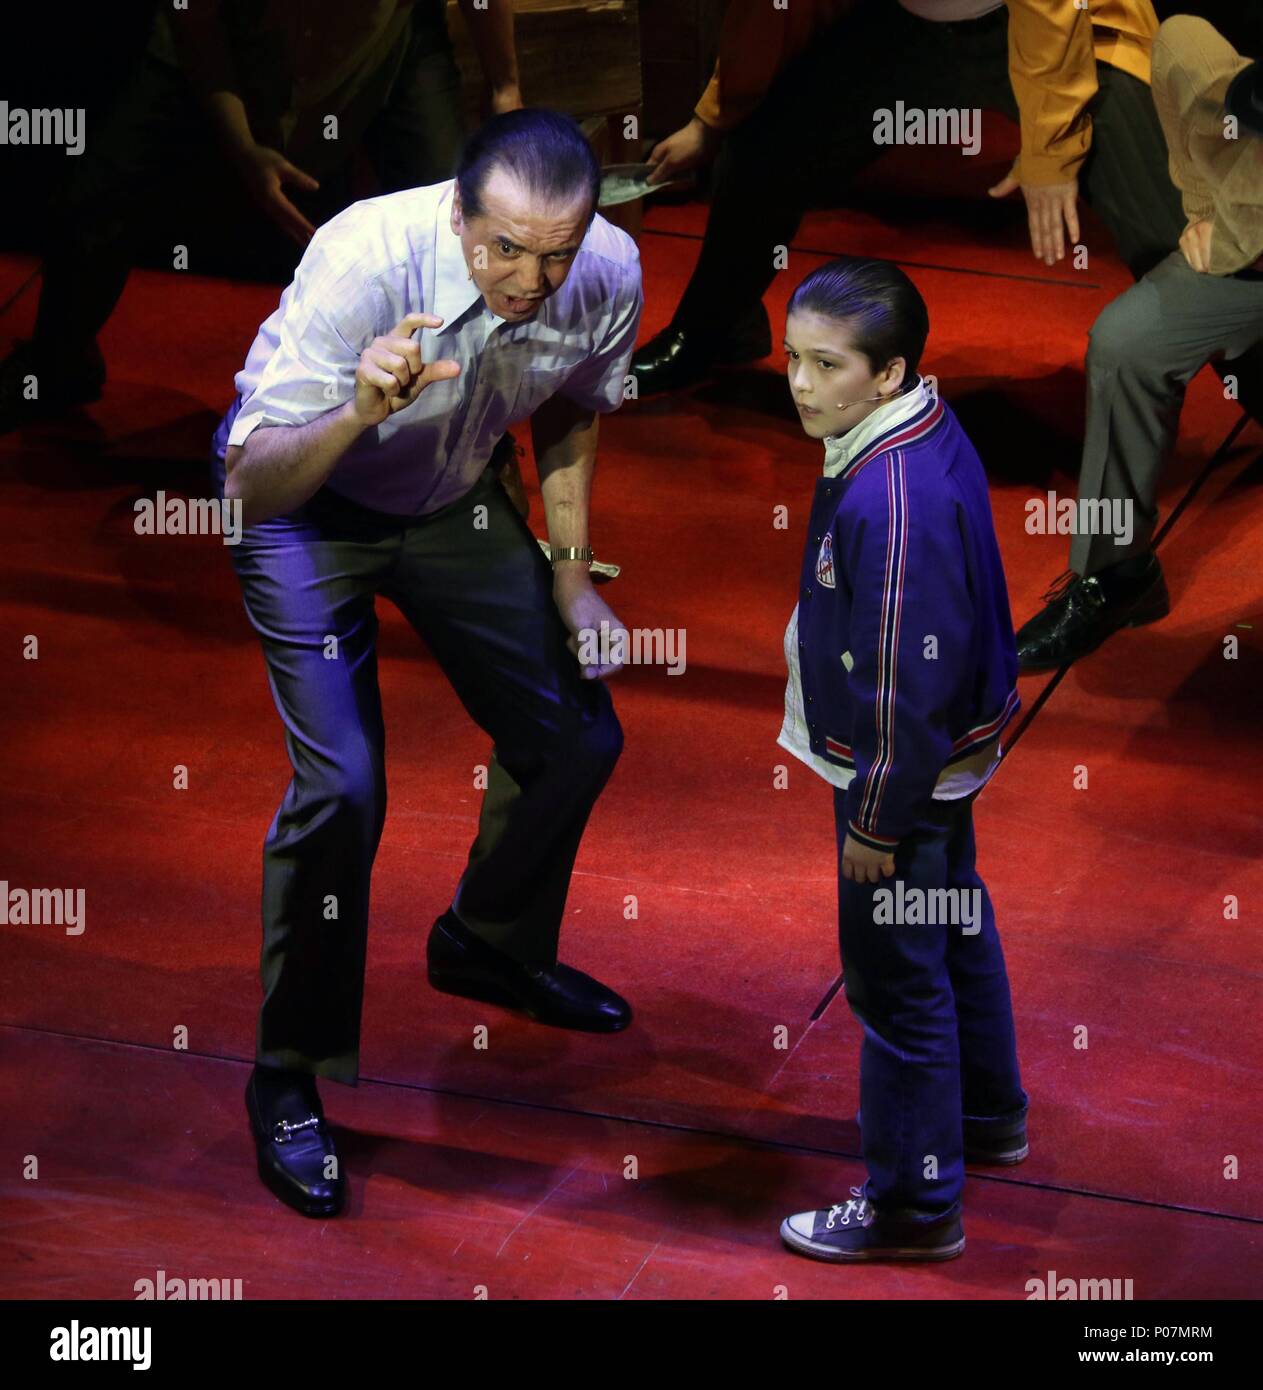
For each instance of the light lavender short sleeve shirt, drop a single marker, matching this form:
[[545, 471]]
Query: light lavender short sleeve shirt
[[386, 257]]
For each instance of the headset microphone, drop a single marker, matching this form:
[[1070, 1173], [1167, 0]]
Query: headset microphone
[[902, 391]]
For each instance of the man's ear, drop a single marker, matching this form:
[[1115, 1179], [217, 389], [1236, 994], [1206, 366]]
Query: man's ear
[[457, 220], [895, 373]]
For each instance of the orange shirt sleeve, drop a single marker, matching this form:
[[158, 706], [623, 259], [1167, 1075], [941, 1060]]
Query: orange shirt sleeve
[[1053, 50], [1052, 66], [756, 40]]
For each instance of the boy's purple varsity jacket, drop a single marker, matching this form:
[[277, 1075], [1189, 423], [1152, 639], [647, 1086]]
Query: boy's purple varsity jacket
[[902, 574]]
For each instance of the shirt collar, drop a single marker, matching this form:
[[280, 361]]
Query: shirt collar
[[840, 449], [454, 287]]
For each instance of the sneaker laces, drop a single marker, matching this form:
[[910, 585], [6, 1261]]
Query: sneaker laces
[[840, 1213]]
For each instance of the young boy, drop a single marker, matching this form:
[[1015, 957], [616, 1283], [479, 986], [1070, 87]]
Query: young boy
[[902, 675]]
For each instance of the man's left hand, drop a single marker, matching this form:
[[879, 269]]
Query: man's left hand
[[1195, 243], [583, 610]]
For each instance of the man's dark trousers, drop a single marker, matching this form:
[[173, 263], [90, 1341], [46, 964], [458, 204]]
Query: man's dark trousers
[[472, 581], [939, 1041]]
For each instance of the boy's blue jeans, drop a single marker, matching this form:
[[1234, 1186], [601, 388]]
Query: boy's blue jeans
[[925, 977]]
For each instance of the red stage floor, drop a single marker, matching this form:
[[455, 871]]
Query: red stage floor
[[505, 1167]]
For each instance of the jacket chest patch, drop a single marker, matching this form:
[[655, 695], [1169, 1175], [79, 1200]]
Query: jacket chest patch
[[824, 563]]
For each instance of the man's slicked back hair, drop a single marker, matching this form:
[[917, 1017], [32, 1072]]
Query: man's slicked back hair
[[544, 151]]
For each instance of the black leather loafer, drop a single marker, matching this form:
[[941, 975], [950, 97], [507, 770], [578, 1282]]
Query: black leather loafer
[[295, 1149], [679, 357], [669, 361], [459, 962]]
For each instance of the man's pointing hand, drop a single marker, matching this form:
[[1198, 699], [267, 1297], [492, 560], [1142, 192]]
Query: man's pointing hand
[[391, 374]]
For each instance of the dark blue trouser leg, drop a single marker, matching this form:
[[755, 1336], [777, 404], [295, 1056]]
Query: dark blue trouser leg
[[990, 1079], [933, 1000]]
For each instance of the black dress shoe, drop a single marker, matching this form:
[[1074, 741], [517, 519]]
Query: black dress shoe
[[461, 963], [669, 361], [1081, 613], [679, 357], [293, 1142]]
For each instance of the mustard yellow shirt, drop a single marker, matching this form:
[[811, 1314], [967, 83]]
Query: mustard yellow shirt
[[1220, 178]]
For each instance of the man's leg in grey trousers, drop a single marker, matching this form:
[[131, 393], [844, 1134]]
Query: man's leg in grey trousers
[[1144, 349], [1126, 178]]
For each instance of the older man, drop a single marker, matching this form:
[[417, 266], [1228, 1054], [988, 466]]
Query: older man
[[1203, 303], [360, 457]]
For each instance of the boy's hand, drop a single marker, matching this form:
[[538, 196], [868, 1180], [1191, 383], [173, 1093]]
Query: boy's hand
[[864, 865]]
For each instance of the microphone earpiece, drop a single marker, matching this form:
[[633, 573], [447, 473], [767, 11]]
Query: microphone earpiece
[[903, 390]]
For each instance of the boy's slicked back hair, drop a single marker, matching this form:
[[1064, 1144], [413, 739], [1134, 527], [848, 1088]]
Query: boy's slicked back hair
[[543, 150], [882, 308]]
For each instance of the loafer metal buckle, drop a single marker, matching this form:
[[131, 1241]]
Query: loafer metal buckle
[[283, 1132]]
